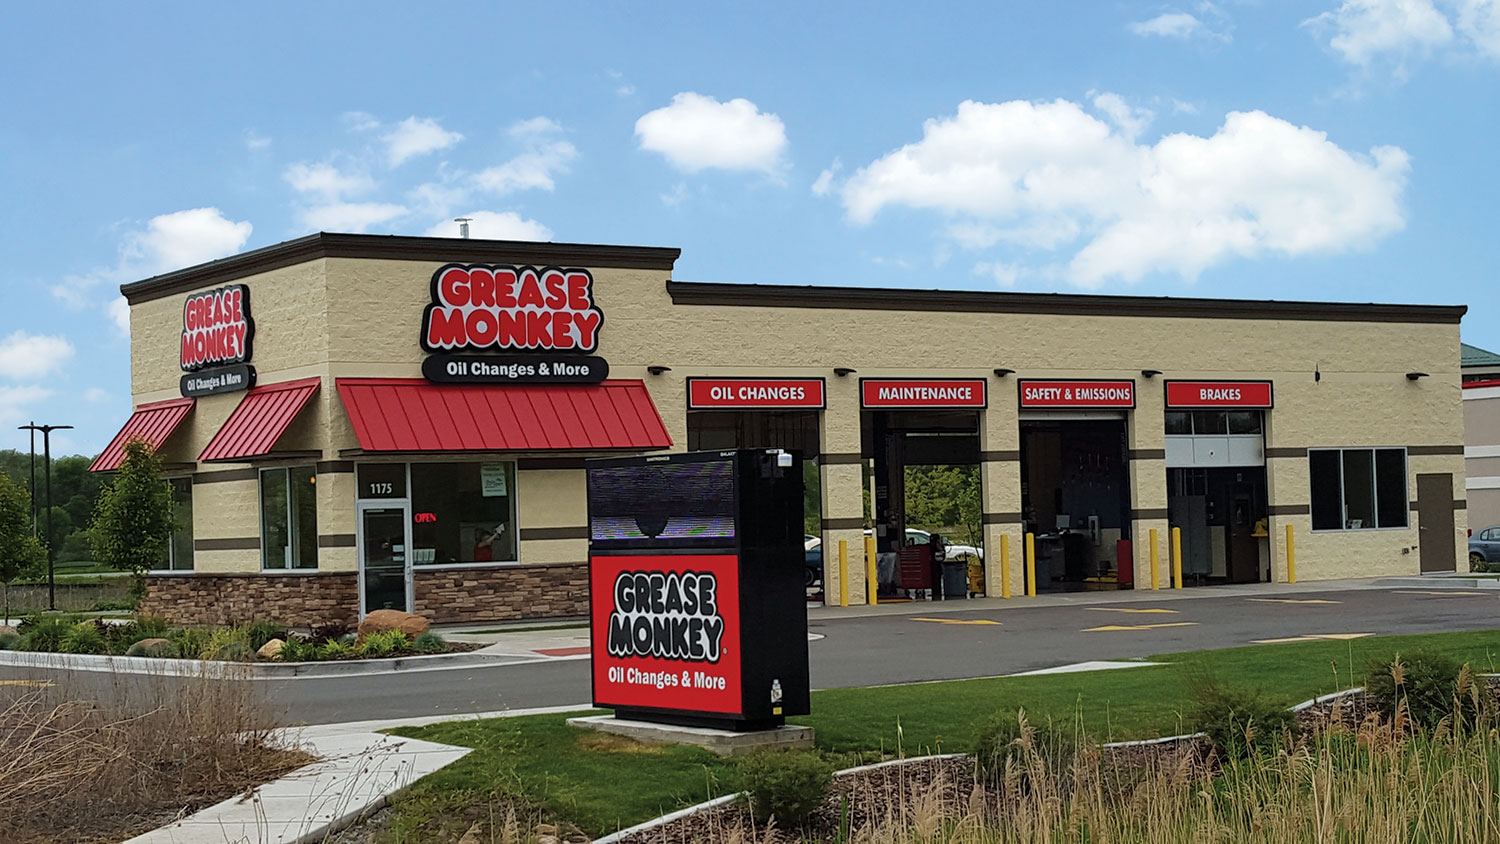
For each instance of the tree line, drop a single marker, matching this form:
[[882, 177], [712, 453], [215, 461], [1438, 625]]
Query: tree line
[[75, 492]]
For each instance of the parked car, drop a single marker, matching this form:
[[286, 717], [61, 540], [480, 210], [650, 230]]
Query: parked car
[[916, 536], [1484, 548]]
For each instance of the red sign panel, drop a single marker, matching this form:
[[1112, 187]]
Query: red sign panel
[[1250, 394], [898, 393], [1077, 394], [666, 632], [753, 393], [216, 328], [490, 307]]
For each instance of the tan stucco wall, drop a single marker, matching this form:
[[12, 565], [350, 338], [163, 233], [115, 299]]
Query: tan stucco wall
[[342, 317]]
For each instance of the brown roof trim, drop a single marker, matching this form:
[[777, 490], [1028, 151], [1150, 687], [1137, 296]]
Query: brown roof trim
[[892, 299], [397, 247]]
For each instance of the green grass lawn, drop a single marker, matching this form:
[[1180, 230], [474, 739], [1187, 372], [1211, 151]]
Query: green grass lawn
[[602, 783]]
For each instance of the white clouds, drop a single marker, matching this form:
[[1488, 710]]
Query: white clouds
[[1367, 29], [1479, 22], [326, 182], [119, 313], [492, 225], [184, 238], [350, 216], [1128, 119], [417, 136], [1049, 176], [256, 142], [96, 395], [697, 133], [15, 400], [544, 156], [360, 121], [823, 185], [29, 357], [1169, 25]]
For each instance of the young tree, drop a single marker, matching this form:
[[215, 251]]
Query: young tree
[[133, 519], [21, 555]]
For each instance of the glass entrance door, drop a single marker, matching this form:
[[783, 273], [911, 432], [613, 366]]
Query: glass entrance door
[[384, 558]]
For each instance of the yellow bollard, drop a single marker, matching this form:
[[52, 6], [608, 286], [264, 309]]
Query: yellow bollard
[[843, 572], [1031, 565], [1176, 558], [872, 586], [1155, 562], [1291, 557], [1005, 565]]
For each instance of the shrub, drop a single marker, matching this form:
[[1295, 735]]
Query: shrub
[[189, 641], [788, 785], [1010, 737], [336, 649], [82, 638], [297, 650], [429, 643], [384, 643], [258, 633], [153, 649], [1427, 682], [330, 632], [151, 626], [1239, 722], [226, 643], [45, 634], [10, 641]]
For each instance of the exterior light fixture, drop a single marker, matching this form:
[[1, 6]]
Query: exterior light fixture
[[658, 369], [1150, 373], [1001, 372], [842, 371], [1412, 376]]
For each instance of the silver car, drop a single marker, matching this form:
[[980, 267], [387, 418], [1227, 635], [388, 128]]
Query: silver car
[[1484, 548]]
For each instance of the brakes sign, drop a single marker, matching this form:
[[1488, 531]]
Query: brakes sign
[[216, 328]]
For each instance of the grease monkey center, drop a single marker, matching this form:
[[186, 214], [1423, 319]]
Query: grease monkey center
[[404, 422]]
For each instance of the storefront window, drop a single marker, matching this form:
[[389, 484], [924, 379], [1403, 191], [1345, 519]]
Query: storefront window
[[463, 513], [179, 556], [1179, 422], [289, 518], [1358, 488]]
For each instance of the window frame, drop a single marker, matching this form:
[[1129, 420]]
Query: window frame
[[513, 480], [1372, 450], [293, 525], [171, 567]]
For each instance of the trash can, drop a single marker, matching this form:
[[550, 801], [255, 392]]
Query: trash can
[[955, 580]]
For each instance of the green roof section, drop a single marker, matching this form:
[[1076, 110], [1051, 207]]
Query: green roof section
[[1475, 356]]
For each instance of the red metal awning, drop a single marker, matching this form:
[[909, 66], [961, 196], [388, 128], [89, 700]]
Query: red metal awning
[[262, 417], [152, 422], [410, 414]]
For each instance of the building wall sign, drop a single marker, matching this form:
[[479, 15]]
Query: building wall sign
[[919, 393], [484, 307], [217, 336], [1074, 394], [1219, 394], [755, 394]]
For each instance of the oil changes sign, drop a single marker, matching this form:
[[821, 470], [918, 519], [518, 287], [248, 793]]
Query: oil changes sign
[[666, 632], [217, 334]]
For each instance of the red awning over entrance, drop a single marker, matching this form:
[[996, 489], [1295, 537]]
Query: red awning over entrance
[[152, 422], [262, 417], [410, 414]]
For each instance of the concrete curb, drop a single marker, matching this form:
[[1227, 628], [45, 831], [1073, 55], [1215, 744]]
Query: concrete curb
[[253, 670]]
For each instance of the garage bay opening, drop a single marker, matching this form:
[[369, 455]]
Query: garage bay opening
[[1075, 499]]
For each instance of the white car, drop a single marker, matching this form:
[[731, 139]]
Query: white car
[[916, 536]]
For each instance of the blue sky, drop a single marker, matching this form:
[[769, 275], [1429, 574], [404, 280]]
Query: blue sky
[[1321, 150]]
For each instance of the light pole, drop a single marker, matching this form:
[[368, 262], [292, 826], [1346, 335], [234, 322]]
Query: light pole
[[32, 490], [47, 471]]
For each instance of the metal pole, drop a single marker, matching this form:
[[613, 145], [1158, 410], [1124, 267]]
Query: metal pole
[[51, 569], [32, 491]]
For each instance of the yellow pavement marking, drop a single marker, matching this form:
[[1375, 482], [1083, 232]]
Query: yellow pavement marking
[[1123, 609], [1448, 593], [957, 621], [1113, 627], [1293, 601], [1311, 637], [39, 684]]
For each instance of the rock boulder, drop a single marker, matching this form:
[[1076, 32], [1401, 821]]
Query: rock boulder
[[408, 623], [271, 649]]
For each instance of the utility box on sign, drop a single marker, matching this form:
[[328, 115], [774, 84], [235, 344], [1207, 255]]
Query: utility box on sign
[[698, 612]]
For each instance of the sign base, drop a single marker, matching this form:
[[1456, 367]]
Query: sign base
[[720, 742]]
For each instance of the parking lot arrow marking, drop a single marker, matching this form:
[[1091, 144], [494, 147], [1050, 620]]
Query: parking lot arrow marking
[[1311, 637], [1115, 627], [958, 621], [1125, 609], [1293, 601]]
